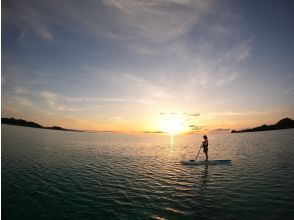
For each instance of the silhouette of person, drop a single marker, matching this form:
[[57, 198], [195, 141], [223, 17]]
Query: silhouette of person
[[205, 147]]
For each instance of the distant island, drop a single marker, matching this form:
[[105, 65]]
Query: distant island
[[24, 123], [154, 132], [285, 123]]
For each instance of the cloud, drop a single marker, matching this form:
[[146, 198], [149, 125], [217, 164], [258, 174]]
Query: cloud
[[195, 114], [184, 113], [72, 104], [288, 91], [3, 80], [222, 130], [241, 113], [138, 86], [206, 53], [154, 132], [49, 97], [8, 110], [52, 99], [29, 17], [161, 50], [23, 101], [158, 21], [196, 128], [290, 76], [91, 99], [150, 27], [20, 90], [130, 20]]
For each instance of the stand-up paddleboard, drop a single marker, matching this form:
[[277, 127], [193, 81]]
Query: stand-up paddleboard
[[203, 162]]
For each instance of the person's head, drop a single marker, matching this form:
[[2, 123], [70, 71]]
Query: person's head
[[205, 137]]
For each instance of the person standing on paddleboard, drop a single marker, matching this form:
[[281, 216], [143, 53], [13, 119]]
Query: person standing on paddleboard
[[205, 146]]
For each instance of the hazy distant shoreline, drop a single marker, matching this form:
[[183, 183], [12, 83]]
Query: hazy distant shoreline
[[285, 123], [24, 123]]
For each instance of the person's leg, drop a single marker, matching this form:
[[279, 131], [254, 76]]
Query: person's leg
[[206, 155]]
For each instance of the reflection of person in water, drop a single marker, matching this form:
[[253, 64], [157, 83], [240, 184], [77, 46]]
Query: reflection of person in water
[[204, 173]]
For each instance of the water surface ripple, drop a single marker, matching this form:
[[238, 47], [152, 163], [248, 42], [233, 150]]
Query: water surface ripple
[[69, 175]]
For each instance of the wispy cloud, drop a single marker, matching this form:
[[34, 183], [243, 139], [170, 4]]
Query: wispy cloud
[[288, 91], [28, 19], [197, 128], [3, 80], [206, 52], [152, 22], [23, 101], [9, 111], [244, 113], [91, 99], [186, 114], [195, 114], [190, 43], [21, 90], [160, 27], [143, 53], [222, 130], [60, 103], [49, 97], [64, 103], [290, 76], [141, 85]]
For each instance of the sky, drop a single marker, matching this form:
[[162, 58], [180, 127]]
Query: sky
[[136, 65]]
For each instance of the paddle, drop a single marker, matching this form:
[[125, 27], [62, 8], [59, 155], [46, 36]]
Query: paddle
[[197, 154]]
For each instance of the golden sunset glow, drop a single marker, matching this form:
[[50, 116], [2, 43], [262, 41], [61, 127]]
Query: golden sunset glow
[[172, 124], [145, 66]]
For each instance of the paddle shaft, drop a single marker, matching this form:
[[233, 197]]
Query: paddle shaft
[[198, 153]]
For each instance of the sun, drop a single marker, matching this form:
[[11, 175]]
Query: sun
[[172, 124]]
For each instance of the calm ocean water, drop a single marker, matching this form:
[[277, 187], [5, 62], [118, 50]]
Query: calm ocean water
[[50, 174]]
